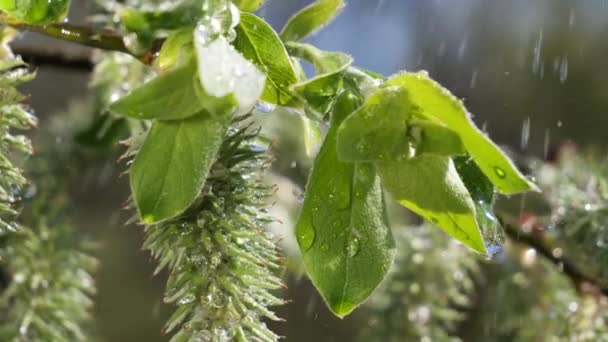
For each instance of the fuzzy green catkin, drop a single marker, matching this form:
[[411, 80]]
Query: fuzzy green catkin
[[45, 269], [424, 296], [222, 263], [13, 116]]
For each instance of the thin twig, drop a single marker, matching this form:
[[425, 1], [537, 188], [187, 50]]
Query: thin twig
[[56, 57]]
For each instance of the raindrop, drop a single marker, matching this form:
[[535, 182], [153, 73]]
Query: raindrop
[[499, 172], [352, 248], [546, 143], [563, 70], [325, 247], [264, 107], [462, 48], [493, 250], [525, 133], [473, 82], [187, 299], [306, 237], [571, 18], [536, 60], [441, 49]]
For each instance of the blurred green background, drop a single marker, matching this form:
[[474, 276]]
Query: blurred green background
[[533, 73]]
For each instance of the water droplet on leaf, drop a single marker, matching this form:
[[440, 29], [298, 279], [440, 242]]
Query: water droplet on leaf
[[499, 172]]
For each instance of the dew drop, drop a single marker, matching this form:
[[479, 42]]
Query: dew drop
[[187, 299], [306, 238], [499, 172], [264, 107], [325, 247], [352, 248]]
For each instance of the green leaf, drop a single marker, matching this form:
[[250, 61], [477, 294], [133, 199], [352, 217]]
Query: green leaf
[[325, 62], [482, 193], [430, 186], [170, 170], [378, 129], [248, 5], [170, 96], [342, 230], [319, 92], [177, 49], [36, 11], [437, 104], [311, 19], [258, 42], [433, 138]]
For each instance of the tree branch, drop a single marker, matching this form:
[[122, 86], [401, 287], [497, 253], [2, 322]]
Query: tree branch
[[96, 38], [56, 57], [535, 240]]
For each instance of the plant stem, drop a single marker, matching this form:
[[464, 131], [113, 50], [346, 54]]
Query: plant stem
[[101, 39]]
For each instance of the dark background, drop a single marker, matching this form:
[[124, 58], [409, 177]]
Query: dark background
[[541, 64]]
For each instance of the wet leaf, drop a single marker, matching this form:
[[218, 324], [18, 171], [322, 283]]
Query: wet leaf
[[325, 62], [258, 42], [170, 96], [342, 230], [170, 170], [378, 129], [248, 5], [310, 19], [482, 193], [437, 104], [177, 49], [36, 11], [433, 138], [430, 186], [319, 92]]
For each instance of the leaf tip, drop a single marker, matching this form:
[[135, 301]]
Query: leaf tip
[[149, 219]]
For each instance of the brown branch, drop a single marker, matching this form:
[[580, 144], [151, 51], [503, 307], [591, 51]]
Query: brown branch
[[57, 57], [535, 240]]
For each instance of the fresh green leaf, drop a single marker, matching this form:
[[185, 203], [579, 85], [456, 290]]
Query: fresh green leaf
[[311, 19], [429, 137], [36, 11], [170, 96], [258, 42], [342, 230], [437, 104], [325, 62], [248, 5], [177, 49], [482, 193], [145, 22], [319, 92], [170, 170], [378, 129], [430, 186]]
